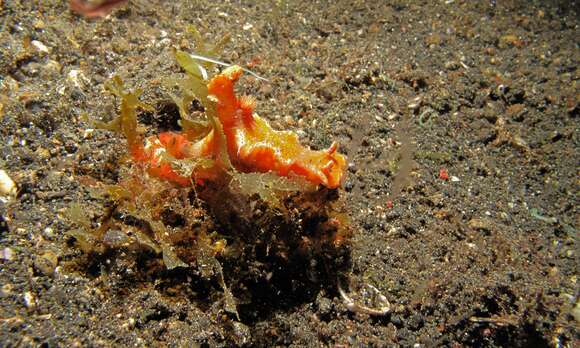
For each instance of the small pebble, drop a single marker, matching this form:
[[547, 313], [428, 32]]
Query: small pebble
[[7, 254], [576, 312], [46, 263], [451, 65], [40, 47], [29, 300], [324, 305], [77, 78], [39, 24], [48, 232], [6, 289], [130, 324], [42, 153], [289, 121], [7, 186], [415, 103], [88, 133]]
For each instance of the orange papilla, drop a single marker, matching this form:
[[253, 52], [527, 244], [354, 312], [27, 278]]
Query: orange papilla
[[164, 171], [137, 151], [174, 143]]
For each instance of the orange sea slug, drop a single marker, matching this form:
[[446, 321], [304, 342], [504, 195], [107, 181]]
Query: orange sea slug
[[252, 145]]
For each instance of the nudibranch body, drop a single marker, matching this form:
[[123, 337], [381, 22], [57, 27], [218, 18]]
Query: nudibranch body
[[252, 144]]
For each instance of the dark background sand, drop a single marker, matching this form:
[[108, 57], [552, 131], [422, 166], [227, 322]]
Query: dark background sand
[[486, 90]]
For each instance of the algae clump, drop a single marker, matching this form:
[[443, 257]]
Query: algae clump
[[245, 231]]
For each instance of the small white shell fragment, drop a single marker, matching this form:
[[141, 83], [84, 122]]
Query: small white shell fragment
[[8, 188], [77, 78], [40, 47], [29, 300], [88, 133], [415, 103], [454, 179], [7, 254]]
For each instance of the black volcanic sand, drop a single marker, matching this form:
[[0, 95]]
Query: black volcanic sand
[[459, 119]]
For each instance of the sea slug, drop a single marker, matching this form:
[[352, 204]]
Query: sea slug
[[252, 144]]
